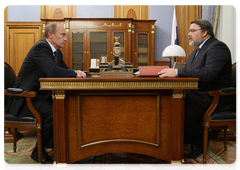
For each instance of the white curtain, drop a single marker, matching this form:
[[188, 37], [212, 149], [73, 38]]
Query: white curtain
[[228, 27]]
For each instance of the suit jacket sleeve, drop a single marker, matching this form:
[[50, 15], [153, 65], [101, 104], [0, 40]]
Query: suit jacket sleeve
[[210, 63], [43, 57]]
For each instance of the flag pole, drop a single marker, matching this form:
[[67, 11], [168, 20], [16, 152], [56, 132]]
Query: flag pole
[[174, 37]]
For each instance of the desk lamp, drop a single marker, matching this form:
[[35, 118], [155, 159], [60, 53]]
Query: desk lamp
[[173, 51]]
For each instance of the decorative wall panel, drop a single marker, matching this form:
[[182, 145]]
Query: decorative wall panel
[[57, 11], [140, 12]]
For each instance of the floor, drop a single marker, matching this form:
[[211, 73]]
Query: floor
[[229, 155]]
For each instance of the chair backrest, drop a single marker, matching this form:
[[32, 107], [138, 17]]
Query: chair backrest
[[9, 76], [236, 75], [236, 83]]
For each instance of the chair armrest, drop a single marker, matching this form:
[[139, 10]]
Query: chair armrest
[[15, 90], [228, 90], [216, 94], [19, 92], [223, 92]]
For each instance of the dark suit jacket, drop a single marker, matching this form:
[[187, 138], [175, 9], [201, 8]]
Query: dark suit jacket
[[38, 63], [213, 67]]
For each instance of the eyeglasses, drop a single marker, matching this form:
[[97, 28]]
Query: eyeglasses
[[193, 30]]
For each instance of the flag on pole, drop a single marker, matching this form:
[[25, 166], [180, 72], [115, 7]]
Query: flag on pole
[[174, 39]]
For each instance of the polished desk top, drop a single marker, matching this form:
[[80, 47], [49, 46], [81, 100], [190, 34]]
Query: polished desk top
[[96, 83]]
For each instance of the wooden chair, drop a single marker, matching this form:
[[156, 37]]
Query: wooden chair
[[225, 119], [23, 123]]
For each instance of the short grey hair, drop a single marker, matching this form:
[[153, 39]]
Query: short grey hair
[[50, 27]]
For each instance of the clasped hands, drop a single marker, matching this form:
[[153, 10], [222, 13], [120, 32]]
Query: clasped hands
[[80, 74], [167, 72]]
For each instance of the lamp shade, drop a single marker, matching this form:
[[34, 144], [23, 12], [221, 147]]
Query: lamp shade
[[173, 51]]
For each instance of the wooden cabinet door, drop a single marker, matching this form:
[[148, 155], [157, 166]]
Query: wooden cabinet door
[[142, 48], [97, 45], [124, 44], [94, 39], [143, 43], [93, 44], [78, 49], [20, 42]]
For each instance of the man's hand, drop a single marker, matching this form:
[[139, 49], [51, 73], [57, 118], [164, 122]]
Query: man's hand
[[167, 72], [80, 74]]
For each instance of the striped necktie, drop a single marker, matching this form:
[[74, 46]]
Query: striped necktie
[[56, 58]]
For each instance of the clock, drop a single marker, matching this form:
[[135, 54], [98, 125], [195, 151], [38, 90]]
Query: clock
[[116, 47], [116, 51]]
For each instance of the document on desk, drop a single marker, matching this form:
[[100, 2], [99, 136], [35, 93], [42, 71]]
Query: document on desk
[[150, 71]]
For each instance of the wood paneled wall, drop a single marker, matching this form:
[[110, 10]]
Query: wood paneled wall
[[140, 12], [28, 33], [3, 20], [57, 11], [20, 38], [185, 15], [1, 27]]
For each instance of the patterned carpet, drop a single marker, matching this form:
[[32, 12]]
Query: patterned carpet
[[27, 144]]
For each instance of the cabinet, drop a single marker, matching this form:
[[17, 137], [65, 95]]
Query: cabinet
[[94, 38], [144, 31]]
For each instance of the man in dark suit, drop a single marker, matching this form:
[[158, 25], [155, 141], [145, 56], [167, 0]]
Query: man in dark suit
[[211, 63], [43, 60]]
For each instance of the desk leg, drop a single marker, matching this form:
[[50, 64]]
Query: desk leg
[[59, 126], [178, 104], [177, 133]]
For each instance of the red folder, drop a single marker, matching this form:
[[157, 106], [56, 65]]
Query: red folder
[[150, 71]]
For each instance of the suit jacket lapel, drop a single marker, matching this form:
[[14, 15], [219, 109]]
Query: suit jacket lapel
[[191, 60], [200, 52]]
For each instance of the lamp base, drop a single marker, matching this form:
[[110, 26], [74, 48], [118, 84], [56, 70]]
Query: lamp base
[[172, 62]]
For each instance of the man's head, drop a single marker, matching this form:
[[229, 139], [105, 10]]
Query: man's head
[[199, 31], [55, 33]]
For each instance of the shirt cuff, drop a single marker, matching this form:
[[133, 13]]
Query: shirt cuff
[[176, 71]]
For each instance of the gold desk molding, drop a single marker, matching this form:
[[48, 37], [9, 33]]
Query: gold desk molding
[[103, 85], [76, 122]]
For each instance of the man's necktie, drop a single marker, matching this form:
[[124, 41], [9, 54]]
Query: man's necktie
[[56, 58], [196, 52]]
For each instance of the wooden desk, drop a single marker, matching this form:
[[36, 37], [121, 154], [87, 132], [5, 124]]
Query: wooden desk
[[94, 116]]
